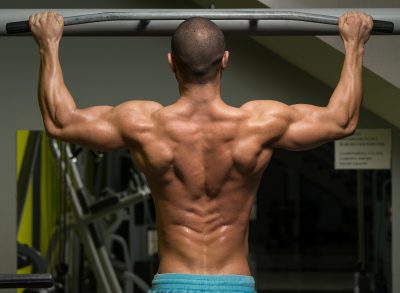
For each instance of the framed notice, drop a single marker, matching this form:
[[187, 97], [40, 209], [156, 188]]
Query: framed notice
[[365, 149]]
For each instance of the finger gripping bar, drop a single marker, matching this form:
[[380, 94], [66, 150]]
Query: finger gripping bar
[[379, 26]]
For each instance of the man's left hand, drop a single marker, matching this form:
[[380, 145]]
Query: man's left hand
[[47, 28]]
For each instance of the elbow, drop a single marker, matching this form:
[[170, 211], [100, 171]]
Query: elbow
[[51, 134], [349, 129], [343, 130], [345, 123], [54, 128], [52, 131]]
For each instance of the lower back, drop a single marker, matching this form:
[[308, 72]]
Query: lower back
[[184, 250], [203, 235]]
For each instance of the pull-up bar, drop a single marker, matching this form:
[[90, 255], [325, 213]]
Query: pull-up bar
[[26, 281], [165, 21]]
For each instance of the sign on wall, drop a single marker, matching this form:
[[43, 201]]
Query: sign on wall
[[365, 149]]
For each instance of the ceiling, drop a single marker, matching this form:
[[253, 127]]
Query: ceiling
[[382, 53]]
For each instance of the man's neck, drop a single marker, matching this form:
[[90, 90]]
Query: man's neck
[[200, 93]]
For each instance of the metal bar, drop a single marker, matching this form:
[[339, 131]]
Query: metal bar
[[395, 219], [103, 270], [32, 150], [109, 270], [361, 219], [26, 281], [75, 171], [36, 198], [243, 21], [130, 199], [100, 263]]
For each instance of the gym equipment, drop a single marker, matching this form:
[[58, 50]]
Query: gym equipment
[[164, 21], [85, 215], [39, 279], [26, 281]]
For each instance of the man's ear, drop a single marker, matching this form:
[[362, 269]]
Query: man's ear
[[225, 59], [171, 62]]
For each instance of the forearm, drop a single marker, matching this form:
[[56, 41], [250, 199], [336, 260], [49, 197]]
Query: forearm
[[56, 103], [346, 99]]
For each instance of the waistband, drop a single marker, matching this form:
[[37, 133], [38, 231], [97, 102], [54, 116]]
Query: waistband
[[205, 283]]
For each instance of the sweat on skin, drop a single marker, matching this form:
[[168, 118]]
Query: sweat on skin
[[202, 158]]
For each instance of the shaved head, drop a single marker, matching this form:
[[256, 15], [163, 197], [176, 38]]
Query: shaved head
[[197, 48]]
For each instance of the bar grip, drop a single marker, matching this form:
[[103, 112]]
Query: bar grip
[[381, 26], [26, 281], [17, 27]]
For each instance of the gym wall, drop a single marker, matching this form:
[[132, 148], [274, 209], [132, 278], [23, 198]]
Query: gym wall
[[106, 70]]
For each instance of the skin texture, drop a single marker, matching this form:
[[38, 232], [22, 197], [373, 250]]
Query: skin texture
[[203, 159]]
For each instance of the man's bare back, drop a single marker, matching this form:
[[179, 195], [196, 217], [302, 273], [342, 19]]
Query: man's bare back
[[203, 167], [202, 158]]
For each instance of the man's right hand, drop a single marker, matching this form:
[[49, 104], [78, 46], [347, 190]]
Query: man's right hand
[[301, 126], [355, 27]]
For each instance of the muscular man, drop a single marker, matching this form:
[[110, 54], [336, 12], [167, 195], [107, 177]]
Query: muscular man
[[203, 159]]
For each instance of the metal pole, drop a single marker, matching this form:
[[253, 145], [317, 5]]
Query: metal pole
[[243, 21], [127, 201], [361, 219], [107, 281]]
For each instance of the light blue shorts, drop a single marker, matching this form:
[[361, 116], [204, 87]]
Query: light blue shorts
[[187, 283]]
